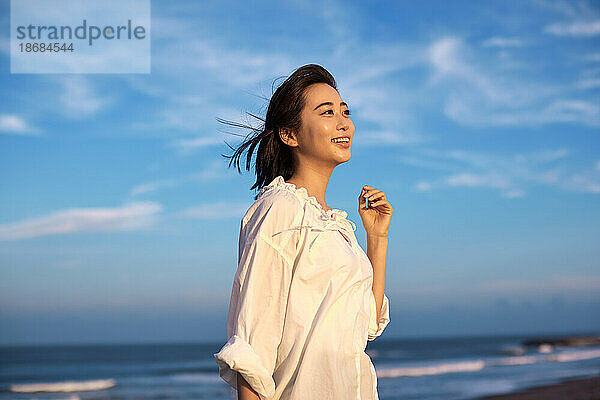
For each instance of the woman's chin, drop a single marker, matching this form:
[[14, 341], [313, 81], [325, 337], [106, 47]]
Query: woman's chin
[[343, 158]]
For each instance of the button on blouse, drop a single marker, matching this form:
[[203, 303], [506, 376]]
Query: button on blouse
[[302, 307]]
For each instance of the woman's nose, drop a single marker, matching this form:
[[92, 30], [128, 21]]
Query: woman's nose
[[343, 123]]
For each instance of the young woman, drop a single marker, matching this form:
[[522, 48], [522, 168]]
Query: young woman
[[306, 297]]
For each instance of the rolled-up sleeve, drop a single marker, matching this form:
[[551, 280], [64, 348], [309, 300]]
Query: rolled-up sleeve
[[376, 326], [259, 296]]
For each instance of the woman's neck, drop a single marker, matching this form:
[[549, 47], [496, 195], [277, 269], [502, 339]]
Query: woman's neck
[[315, 185]]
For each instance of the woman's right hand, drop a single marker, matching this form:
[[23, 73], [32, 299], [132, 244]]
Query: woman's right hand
[[245, 391]]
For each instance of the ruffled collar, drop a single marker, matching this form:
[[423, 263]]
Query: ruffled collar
[[333, 214]]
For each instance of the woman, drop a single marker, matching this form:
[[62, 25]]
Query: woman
[[306, 297]]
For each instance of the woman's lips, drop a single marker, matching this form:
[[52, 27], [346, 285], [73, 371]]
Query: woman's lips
[[343, 144]]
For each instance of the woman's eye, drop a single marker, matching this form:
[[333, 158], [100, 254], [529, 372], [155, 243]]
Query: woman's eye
[[331, 111]]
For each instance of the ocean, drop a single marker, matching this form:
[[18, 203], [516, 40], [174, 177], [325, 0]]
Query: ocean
[[424, 369]]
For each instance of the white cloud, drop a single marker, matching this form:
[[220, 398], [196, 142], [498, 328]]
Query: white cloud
[[14, 124], [513, 193], [380, 95], [131, 216], [478, 94], [186, 146], [568, 9], [573, 105], [212, 171], [510, 175], [442, 55], [543, 156], [588, 83], [471, 86], [571, 110], [369, 138], [503, 42], [583, 182], [578, 18], [423, 186], [338, 20], [188, 60], [150, 187], [592, 57], [578, 28], [78, 98], [494, 180]]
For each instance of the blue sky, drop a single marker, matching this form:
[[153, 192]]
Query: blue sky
[[480, 120]]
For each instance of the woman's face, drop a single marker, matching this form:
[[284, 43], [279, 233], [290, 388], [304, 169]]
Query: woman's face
[[325, 117]]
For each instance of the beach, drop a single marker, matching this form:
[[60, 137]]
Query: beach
[[571, 389]]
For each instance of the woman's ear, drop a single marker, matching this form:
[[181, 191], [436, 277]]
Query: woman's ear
[[288, 137]]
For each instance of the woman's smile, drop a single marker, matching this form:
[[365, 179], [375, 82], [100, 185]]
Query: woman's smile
[[343, 141]]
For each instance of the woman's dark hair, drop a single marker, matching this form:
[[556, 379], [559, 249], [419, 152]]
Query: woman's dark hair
[[273, 156]]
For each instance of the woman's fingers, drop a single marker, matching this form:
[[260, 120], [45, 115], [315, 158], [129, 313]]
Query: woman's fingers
[[376, 195], [373, 194]]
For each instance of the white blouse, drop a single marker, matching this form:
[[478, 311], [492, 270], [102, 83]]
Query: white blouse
[[302, 306]]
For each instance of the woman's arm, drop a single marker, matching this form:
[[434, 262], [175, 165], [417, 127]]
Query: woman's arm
[[245, 391], [377, 252], [259, 296], [376, 220]]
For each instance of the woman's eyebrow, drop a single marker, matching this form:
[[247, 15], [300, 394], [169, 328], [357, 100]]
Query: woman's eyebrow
[[329, 103]]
